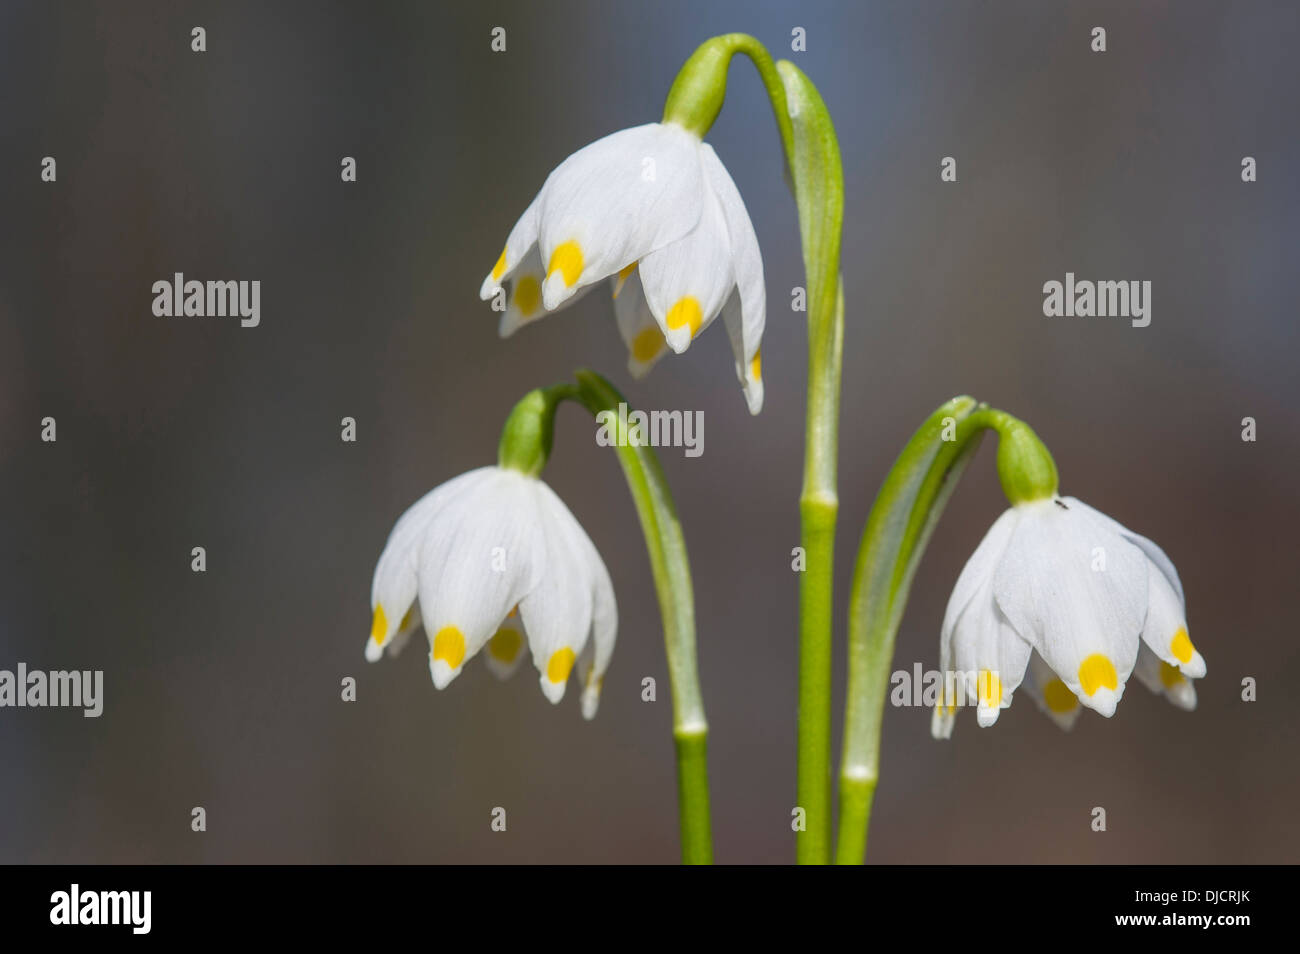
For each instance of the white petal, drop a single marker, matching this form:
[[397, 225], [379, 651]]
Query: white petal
[[1078, 591], [942, 720], [1164, 679], [523, 237], [1165, 631], [615, 201], [506, 649], [990, 658], [411, 622], [472, 574], [640, 332], [975, 579], [749, 372], [557, 613], [747, 263], [1050, 694], [944, 716], [1152, 551], [978, 571], [523, 295], [604, 629], [687, 281], [393, 589]]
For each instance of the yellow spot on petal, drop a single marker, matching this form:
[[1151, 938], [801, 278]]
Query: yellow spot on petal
[[624, 274], [756, 366], [499, 268], [1169, 675], [1058, 697], [449, 646], [505, 645], [685, 313], [379, 626], [1182, 647], [528, 295], [560, 665], [990, 688], [647, 343], [515, 611], [405, 624], [1097, 671], [567, 260]]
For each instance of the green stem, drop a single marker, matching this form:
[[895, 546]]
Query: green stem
[[818, 508], [672, 577], [813, 158], [819, 194], [901, 522]]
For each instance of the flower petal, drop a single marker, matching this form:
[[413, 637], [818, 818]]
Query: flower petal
[[746, 333], [505, 650], [1165, 631], [975, 580], [604, 629], [989, 656], [406, 628], [523, 237], [1077, 591], [523, 295], [1050, 694], [687, 281], [750, 373], [392, 592], [640, 332], [978, 572], [470, 578], [615, 201], [1152, 551], [558, 611], [1164, 679]]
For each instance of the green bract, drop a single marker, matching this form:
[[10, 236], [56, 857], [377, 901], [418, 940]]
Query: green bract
[[526, 437], [1025, 466]]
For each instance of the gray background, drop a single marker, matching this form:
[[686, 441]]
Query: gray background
[[223, 688]]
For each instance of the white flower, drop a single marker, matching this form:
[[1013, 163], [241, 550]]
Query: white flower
[[1065, 599], [494, 558], [652, 209]]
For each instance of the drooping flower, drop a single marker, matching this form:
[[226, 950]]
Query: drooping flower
[[494, 559], [653, 210], [1071, 603]]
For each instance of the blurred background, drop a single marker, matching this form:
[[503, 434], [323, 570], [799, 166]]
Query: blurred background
[[222, 689]]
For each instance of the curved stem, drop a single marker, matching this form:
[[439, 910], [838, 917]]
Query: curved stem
[[701, 84], [813, 159], [819, 194], [902, 519], [672, 577]]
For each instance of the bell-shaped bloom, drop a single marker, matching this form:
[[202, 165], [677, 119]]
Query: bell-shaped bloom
[[653, 210], [1063, 599], [494, 560]]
